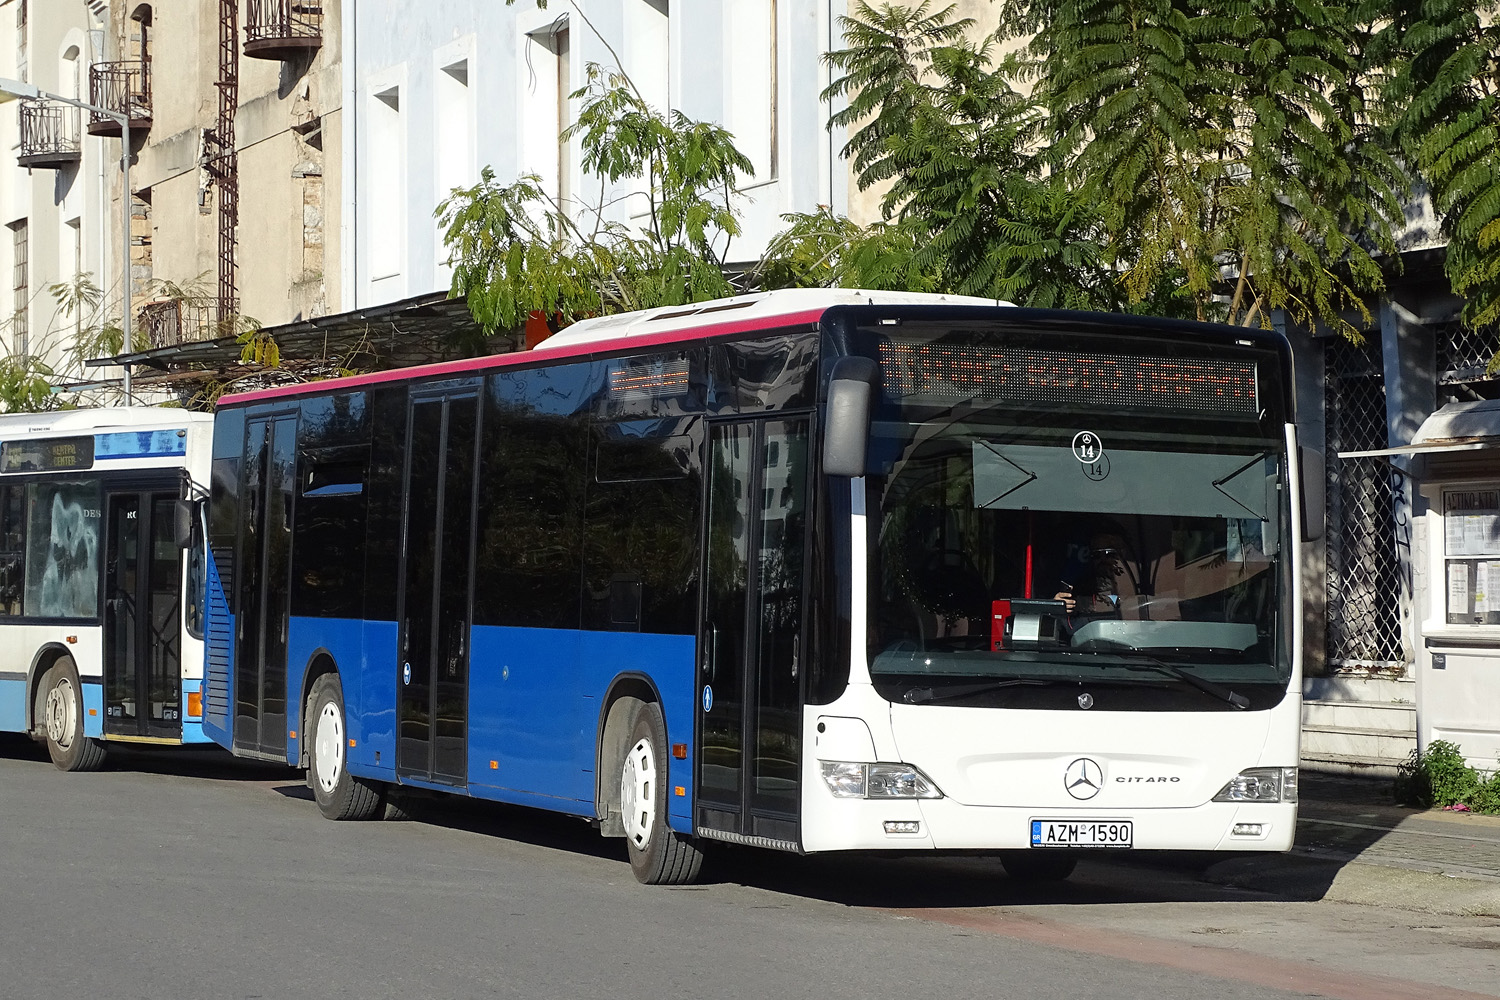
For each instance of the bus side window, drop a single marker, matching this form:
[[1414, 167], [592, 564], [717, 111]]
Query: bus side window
[[12, 547]]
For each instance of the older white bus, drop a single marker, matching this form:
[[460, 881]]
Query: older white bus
[[101, 578]]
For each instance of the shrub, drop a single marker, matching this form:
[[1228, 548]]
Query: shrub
[[1441, 777]]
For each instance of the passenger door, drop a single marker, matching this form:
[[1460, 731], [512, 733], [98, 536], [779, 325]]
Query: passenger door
[[264, 584], [142, 618], [750, 640], [436, 568]]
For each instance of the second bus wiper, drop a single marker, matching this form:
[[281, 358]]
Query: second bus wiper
[[918, 696], [1218, 691]]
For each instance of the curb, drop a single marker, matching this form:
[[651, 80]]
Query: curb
[[1321, 875]]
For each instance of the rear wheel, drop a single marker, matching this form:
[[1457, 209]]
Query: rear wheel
[[62, 719], [1038, 866], [659, 855], [340, 795]]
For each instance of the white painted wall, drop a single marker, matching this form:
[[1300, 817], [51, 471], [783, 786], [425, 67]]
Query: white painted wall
[[703, 55], [65, 223]]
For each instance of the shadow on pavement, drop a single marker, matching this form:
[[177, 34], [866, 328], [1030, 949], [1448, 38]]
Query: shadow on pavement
[[196, 761]]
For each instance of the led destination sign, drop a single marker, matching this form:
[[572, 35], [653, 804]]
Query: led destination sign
[[47, 454]]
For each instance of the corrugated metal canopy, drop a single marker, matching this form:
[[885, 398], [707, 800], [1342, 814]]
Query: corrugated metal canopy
[[419, 330]]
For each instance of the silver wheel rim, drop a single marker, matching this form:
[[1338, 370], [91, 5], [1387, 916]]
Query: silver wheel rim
[[62, 714], [328, 746], [638, 794]]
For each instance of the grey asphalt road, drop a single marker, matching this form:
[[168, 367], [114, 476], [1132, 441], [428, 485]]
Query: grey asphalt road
[[187, 875]]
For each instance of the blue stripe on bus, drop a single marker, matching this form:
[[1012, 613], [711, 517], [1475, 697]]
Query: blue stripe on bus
[[535, 697], [12, 706], [140, 444]]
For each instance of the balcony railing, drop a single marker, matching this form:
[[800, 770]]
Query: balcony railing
[[124, 87], [283, 29], [170, 322], [49, 134]]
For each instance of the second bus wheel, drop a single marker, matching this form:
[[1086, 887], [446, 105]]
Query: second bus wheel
[[340, 795], [60, 701], [659, 855]]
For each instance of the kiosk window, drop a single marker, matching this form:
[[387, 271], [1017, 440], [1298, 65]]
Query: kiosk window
[[1471, 556]]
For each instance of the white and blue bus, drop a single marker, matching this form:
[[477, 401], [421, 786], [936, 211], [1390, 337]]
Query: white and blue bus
[[805, 570], [102, 565]]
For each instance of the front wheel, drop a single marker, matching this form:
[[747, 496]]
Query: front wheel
[[61, 705], [659, 855], [340, 795]]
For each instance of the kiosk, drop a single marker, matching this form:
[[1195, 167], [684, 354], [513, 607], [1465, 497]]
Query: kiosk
[[1454, 460]]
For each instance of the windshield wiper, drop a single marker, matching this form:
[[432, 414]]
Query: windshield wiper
[[1161, 666], [1218, 691], [918, 696]]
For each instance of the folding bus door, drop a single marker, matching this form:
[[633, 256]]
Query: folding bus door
[[263, 620], [142, 618], [750, 638], [437, 558]]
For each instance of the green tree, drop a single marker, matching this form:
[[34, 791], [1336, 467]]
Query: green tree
[[516, 250], [1228, 145], [967, 205], [1442, 92]]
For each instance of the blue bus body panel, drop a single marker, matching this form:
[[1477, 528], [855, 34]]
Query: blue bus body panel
[[93, 708], [342, 638], [535, 698], [13, 706], [218, 663], [372, 725]]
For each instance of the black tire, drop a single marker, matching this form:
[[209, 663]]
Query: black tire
[[339, 794], [60, 699], [659, 855], [1038, 866]]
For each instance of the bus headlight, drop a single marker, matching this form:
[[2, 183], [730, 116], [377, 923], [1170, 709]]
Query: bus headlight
[[849, 780], [1261, 784]]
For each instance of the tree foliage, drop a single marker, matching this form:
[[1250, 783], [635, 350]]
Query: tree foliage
[[516, 250], [1442, 93]]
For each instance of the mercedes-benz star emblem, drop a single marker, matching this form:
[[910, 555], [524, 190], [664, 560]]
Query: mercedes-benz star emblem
[[1083, 778], [1085, 701]]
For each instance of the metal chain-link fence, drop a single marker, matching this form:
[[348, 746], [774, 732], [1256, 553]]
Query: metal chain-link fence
[[1463, 353], [1364, 618]]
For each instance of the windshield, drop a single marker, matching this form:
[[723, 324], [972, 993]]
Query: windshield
[[1021, 554]]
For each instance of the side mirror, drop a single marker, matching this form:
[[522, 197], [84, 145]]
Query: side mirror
[[1314, 479], [184, 513], [846, 430]]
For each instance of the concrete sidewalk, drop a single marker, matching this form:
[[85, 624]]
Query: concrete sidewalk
[[1355, 845]]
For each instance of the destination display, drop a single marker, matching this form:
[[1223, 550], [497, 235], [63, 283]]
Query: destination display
[[47, 454]]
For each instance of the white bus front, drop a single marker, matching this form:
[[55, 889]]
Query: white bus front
[[1073, 599]]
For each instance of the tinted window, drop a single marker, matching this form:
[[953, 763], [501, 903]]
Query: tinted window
[[12, 548], [224, 483], [333, 459], [641, 540], [769, 374], [383, 493], [531, 494]]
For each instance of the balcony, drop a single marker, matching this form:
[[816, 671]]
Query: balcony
[[170, 322], [124, 87], [283, 29], [49, 135]]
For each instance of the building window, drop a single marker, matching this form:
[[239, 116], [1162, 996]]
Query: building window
[[386, 211], [22, 29], [752, 83], [647, 50], [455, 134], [545, 112], [20, 283]]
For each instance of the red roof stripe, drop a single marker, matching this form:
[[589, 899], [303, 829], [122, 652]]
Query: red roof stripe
[[544, 352]]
